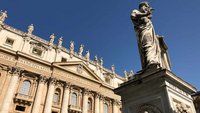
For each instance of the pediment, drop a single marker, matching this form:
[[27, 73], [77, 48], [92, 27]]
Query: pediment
[[79, 68]]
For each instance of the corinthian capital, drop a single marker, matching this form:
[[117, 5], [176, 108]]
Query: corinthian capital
[[67, 85], [42, 79], [86, 91], [97, 95], [52, 81], [15, 70]]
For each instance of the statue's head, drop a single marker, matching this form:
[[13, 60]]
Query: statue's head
[[143, 5]]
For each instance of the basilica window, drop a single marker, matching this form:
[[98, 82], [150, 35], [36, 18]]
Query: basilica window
[[9, 42], [20, 108], [105, 108], [74, 99], [37, 51], [25, 87], [63, 59], [56, 96], [38, 48], [89, 105]]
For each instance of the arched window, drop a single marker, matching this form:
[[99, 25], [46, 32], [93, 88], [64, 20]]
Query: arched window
[[105, 108], [25, 87], [56, 96], [89, 105], [74, 99]]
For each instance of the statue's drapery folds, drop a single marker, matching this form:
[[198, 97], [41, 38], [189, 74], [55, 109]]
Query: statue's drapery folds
[[148, 42]]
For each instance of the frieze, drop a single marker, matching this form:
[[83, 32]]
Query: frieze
[[5, 57], [34, 65]]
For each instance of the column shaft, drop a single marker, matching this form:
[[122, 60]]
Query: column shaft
[[97, 107], [115, 108], [49, 98], [64, 108], [38, 97], [85, 103], [101, 106], [9, 94]]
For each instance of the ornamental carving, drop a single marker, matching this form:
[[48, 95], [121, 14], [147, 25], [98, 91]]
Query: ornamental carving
[[52, 81], [42, 79], [181, 108], [15, 70], [146, 108], [80, 69], [86, 91], [39, 45]]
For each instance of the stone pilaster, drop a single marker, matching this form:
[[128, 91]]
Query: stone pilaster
[[65, 101], [101, 103], [114, 107], [85, 100], [49, 98], [97, 97], [38, 97], [15, 72]]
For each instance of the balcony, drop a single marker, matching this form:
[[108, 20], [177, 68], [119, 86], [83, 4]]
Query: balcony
[[75, 109], [23, 99]]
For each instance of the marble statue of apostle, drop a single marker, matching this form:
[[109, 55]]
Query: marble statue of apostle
[[87, 56], [3, 16], [81, 50], [52, 37], [148, 43], [30, 29], [71, 46]]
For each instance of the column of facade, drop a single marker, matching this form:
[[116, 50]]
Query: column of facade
[[115, 110], [101, 104], [65, 101], [97, 107], [38, 97], [15, 72], [85, 101], [49, 98]]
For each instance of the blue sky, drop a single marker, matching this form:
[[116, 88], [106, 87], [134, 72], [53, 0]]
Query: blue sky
[[105, 28]]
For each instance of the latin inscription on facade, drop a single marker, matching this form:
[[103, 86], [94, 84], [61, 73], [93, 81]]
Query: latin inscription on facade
[[34, 65]]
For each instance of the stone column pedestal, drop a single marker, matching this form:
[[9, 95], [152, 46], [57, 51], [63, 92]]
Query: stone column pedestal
[[156, 91]]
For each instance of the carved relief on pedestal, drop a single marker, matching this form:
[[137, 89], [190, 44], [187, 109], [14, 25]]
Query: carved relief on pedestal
[[181, 107], [146, 108]]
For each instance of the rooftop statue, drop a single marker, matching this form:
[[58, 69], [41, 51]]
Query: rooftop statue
[[148, 42], [60, 40], [71, 46], [87, 55], [3, 16], [80, 50], [30, 29], [101, 61], [52, 37]]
